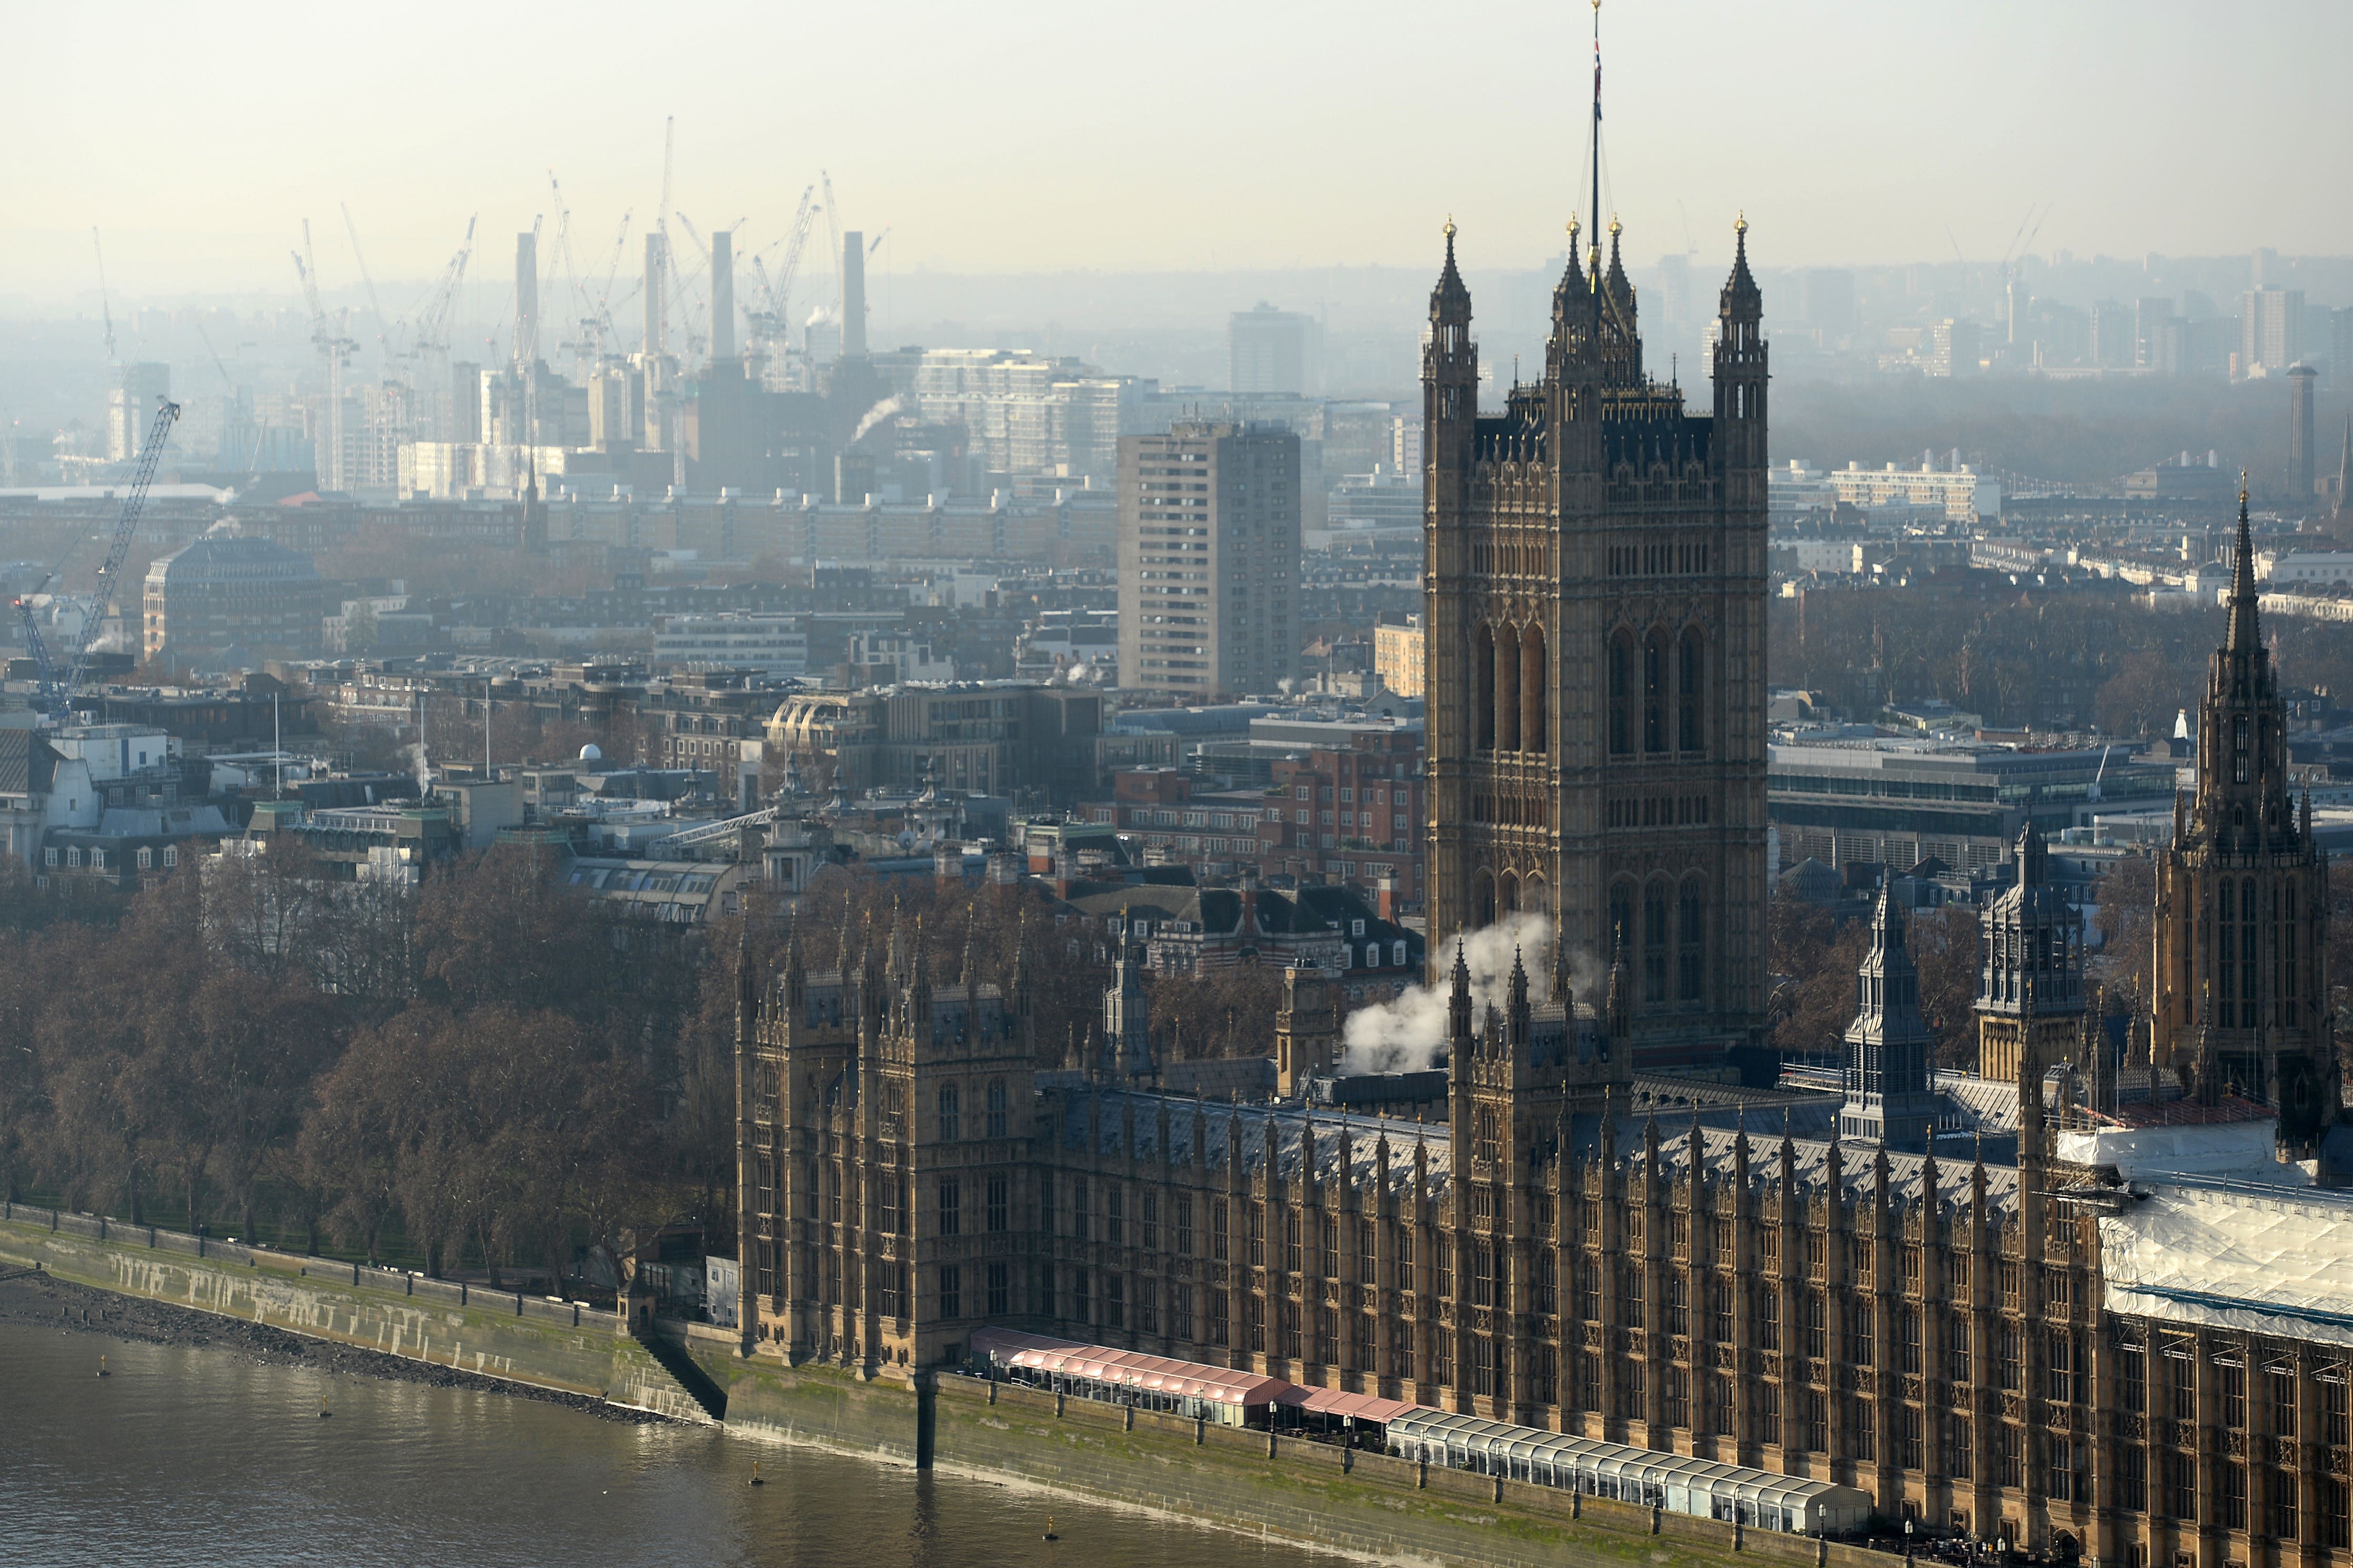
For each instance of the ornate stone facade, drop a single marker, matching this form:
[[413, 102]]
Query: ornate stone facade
[[2243, 903], [1595, 564]]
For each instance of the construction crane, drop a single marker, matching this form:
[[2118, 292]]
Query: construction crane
[[105, 308], [384, 326], [334, 348], [777, 323], [229, 382], [833, 227], [584, 341], [428, 345], [607, 337], [54, 695]]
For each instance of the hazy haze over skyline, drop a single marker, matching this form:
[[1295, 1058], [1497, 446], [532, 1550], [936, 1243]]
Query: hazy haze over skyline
[[1046, 136]]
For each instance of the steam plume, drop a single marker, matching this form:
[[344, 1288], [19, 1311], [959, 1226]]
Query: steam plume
[[1407, 1035]]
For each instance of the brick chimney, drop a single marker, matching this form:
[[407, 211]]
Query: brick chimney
[[1385, 899]]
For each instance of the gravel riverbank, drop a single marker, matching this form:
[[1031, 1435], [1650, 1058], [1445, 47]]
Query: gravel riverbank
[[38, 1300]]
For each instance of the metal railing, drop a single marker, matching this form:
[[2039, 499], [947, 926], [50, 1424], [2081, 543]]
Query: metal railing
[[448, 1293]]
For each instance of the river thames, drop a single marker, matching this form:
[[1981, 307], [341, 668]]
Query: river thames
[[204, 1455]]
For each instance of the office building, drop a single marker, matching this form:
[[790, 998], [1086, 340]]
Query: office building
[[228, 597], [1273, 351], [1208, 559], [733, 639], [1889, 802]]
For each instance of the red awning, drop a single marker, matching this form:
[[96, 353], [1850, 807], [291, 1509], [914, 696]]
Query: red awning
[[1127, 1369], [1338, 1403]]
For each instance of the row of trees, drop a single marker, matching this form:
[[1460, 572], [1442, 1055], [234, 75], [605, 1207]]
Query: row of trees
[[487, 1071], [1813, 957], [2026, 657]]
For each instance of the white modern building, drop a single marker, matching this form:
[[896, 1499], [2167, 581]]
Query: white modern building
[[733, 639], [1960, 492]]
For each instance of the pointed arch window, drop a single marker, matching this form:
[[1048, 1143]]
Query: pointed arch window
[[1505, 722], [1689, 682], [1535, 683], [1621, 694], [1691, 950], [2247, 952], [1654, 942], [2242, 750], [1654, 693], [1483, 694]]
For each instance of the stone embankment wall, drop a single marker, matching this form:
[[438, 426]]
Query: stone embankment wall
[[549, 1344], [1355, 1501]]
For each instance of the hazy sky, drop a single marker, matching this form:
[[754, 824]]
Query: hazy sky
[[1042, 134]]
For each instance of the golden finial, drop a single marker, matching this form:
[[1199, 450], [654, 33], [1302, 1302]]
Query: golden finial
[[1740, 223], [1572, 233], [1613, 225], [2242, 486], [1449, 225]]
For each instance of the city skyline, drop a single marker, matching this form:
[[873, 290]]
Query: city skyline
[[418, 135]]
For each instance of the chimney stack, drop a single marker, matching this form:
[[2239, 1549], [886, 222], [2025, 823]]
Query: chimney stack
[[722, 296], [657, 265], [1385, 899], [2300, 458], [853, 294]]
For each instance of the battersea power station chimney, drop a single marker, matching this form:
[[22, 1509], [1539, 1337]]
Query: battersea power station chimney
[[722, 296], [853, 294]]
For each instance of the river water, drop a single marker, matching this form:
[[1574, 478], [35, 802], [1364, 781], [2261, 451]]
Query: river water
[[199, 1456]]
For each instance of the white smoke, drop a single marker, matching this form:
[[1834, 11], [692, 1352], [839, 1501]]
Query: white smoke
[[1408, 1033], [416, 753], [874, 416]]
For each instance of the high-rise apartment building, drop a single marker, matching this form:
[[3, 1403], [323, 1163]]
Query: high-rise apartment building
[[2149, 316], [2112, 334], [1208, 559], [1595, 623], [131, 408], [1273, 351], [2270, 329]]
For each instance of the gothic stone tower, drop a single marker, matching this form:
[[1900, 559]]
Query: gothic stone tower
[[1594, 563], [2030, 970], [2241, 902], [1887, 1096]]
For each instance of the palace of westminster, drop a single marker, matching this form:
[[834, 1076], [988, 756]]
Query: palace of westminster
[[2090, 1297]]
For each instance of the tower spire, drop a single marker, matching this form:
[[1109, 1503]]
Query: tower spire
[[1596, 208], [2245, 634]]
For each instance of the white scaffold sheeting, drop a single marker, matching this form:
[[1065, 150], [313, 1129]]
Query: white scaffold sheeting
[[2235, 1256]]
